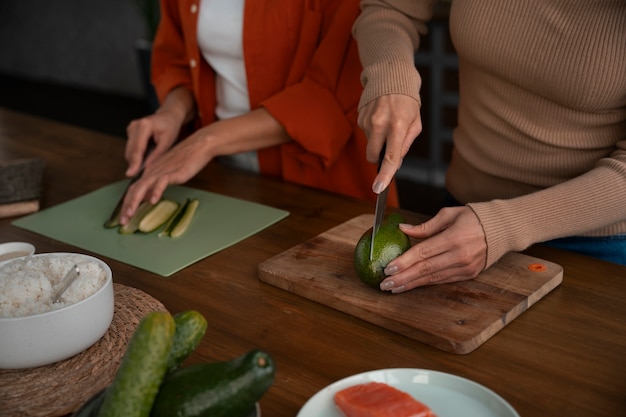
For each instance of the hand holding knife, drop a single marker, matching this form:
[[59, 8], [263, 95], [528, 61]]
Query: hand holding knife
[[113, 220], [381, 203]]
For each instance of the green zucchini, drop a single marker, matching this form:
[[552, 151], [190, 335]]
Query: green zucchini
[[190, 329], [133, 224], [143, 367], [158, 215], [186, 215], [218, 389]]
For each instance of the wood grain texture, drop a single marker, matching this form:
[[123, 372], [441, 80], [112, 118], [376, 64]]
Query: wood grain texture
[[562, 357], [456, 318]]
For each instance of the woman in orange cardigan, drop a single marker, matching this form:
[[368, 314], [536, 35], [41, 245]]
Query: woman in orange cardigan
[[271, 87]]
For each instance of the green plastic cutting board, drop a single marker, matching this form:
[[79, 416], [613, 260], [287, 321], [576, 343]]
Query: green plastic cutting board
[[220, 222]]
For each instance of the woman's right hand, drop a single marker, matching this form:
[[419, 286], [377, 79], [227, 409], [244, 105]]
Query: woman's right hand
[[392, 120], [162, 127]]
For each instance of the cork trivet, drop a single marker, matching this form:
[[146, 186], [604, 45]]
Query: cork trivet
[[60, 388]]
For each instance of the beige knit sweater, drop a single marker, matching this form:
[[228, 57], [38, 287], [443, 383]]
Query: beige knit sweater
[[540, 147]]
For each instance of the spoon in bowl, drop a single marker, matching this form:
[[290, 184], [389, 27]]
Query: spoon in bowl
[[65, 283]]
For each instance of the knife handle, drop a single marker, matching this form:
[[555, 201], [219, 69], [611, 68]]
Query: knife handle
[[381, 157], [151, 145]]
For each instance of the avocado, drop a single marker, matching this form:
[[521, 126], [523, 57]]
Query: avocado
[[389, 243]]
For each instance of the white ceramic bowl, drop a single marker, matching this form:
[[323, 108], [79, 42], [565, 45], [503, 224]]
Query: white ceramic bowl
[[11, 250], [52, 336]]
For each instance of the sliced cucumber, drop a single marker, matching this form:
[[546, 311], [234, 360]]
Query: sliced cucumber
[[174, 219], [114, 221], [185, 219], [133, 224], [158, 215]]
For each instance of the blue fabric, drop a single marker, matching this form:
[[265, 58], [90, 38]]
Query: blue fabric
[[607, 248]]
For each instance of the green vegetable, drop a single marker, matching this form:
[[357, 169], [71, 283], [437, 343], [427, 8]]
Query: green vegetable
[[186, 215], [142, 370], [157, 216], [173, 220], [389, 243], [133, 224], [114, 220], [190, 329], [219, 389]]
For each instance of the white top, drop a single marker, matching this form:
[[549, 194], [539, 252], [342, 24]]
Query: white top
[[220, 32]]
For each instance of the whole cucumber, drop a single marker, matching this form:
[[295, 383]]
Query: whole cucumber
[[218, 389], [190, 328], [142, 370]]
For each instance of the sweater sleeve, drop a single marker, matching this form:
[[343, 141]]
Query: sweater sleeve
[[388, 34], [590, 202]]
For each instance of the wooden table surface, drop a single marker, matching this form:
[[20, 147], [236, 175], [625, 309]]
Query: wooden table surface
[[566, 356]]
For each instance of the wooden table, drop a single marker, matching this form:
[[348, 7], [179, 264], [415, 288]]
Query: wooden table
[[566, 356]]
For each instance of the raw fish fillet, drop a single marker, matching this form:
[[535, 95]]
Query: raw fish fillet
[[377, 399]]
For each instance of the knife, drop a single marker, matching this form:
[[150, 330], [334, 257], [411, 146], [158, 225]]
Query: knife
[[113, 220], [381, 203]]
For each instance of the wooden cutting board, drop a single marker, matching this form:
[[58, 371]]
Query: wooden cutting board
[[456, 318]]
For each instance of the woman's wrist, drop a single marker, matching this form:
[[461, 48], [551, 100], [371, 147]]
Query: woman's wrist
[[179, 105]]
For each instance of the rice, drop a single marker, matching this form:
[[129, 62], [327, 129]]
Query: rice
[[27, 288]]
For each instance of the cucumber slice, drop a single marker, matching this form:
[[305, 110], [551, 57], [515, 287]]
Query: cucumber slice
[[187, 215], [114, 221], [158, 215], [133, 224], [174, 219]]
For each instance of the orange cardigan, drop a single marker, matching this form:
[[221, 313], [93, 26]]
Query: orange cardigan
[[302, 65]]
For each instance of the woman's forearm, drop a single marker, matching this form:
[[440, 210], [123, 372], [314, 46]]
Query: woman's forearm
[[180, 103], [255, 130]]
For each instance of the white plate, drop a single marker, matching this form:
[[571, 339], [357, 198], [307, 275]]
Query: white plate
[[446, 395]]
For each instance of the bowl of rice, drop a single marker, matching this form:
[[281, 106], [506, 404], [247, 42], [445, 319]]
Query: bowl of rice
[[35, 330]]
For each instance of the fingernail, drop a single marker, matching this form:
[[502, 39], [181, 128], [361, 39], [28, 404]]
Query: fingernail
[[378, 187], [405, 225], [386, 285], [390, 270]]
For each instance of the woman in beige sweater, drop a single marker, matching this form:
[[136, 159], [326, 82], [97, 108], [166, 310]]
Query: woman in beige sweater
[[540, 146]]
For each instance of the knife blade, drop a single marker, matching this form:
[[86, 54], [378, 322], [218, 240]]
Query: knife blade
[[113, 220], [381, 203]]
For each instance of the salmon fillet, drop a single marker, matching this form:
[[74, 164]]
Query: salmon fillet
[[377, 399]]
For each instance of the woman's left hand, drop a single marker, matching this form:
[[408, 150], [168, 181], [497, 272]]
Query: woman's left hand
[[453, 249], [177, 166]]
